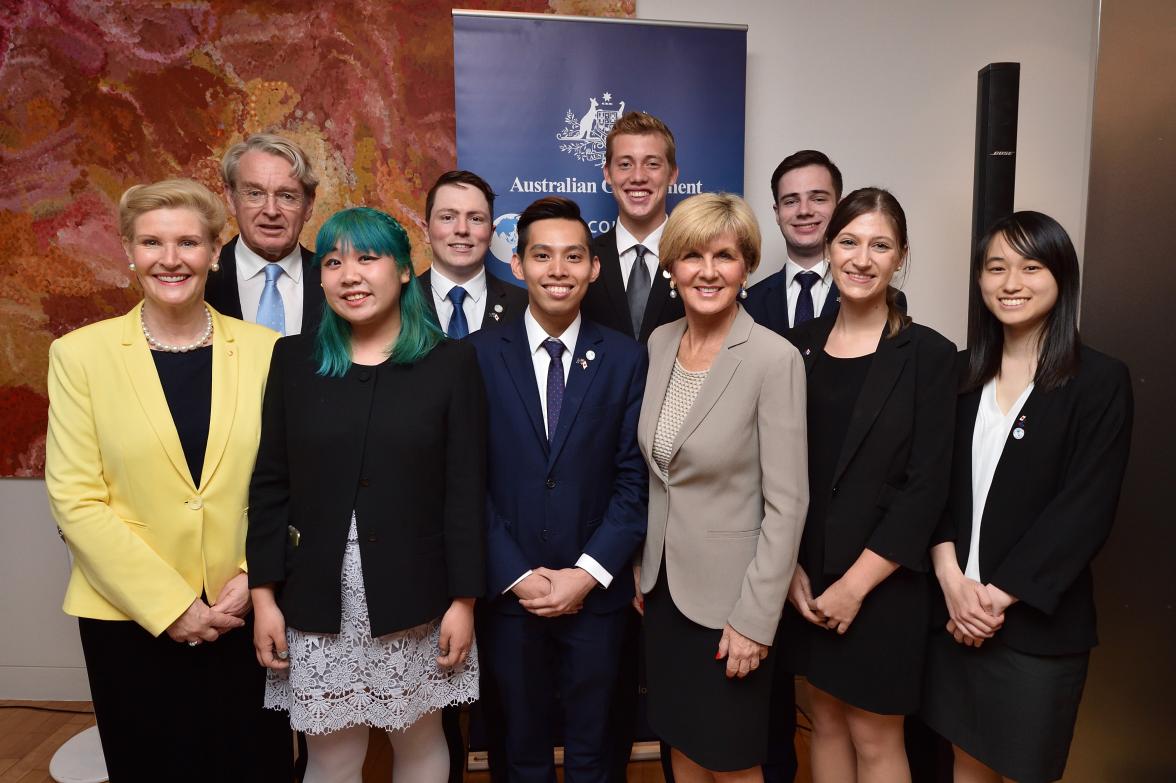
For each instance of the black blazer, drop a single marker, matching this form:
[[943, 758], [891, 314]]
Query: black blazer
[[1050, 506], [504, 303], [890, 485], [606, 303], [767, 302], [404, 446], [222, 293]]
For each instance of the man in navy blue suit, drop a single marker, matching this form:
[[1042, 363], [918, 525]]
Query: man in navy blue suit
[[566, 506]]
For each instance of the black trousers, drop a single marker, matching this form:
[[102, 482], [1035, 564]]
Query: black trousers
[[167, 711]]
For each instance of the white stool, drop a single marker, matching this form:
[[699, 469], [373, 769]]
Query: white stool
[[80, 759]]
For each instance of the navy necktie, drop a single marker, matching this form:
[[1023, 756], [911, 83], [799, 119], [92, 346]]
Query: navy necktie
[[458, 327], [637, 290], [271, 311], [555, 383], [804, 302]]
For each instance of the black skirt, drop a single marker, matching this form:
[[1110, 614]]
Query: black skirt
[[1012, 711], [718, 723]]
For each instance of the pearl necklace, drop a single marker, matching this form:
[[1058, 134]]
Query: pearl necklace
[[158, 346]]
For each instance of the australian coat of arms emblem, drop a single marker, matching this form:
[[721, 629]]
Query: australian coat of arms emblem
[[583, 135]]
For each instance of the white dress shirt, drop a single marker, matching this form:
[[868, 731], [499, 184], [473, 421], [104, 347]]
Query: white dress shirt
[[627, 251], [251, 282], [474, 305], [989, 437], [541, 360], [820, 289]]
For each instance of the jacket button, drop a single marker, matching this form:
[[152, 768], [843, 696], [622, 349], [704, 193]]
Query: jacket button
[[364, 375], [834, 490], [543, 535], [196, 503], [551, 483], [363, 482], [372, 538]]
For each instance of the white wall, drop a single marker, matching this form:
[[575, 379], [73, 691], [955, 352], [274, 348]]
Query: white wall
[[888, 91]]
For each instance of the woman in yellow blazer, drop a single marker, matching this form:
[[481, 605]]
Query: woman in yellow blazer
[[154, 420], [723, 431]]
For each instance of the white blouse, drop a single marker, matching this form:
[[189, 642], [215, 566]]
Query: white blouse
[[988, 441]]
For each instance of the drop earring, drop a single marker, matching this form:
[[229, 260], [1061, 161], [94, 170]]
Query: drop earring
[[742, 292], [673, 290]]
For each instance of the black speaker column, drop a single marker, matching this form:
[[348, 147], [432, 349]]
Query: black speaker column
[[996, 144]]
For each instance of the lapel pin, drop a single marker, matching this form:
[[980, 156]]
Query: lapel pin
[[808, 351], [498, 308], [583, 363], [494, 316], [590, 355], [666, 274], [1019, 431]]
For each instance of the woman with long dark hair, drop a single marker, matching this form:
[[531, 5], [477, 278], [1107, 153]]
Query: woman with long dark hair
[[1042, 436], [881, 396], [365, 545]]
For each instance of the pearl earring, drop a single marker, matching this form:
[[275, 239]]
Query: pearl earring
[[131, 266], [673, 291], [215, 267], [742, 292]]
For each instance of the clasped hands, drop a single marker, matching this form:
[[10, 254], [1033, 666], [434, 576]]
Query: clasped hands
[[203, 623], [834, 609], [977, 611], [547, 592]]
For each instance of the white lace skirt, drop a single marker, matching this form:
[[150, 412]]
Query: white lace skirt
[[336, 681]]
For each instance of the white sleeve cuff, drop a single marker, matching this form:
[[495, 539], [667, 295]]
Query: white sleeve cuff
[[511, 586], [589, 564]]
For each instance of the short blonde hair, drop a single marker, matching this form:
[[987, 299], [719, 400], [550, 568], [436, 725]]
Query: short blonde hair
[[639, 123], [170, 194], [271, 144], [699, 220]]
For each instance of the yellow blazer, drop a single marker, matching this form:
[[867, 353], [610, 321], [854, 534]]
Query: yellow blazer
[[145, 540]]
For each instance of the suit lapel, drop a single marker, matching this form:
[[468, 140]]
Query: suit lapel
[[580, 378], [497, 305], [226, 280], [720, 374], [885, 368], [968, 406], [661, 364], [149, 392], [224, 396], [659, 294], [516, 355], [610, 276], [777, 303], [312, 292], [832, 300], [426, 281]]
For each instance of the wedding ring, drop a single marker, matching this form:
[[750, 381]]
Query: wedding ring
[[193, 643], [282, 655]]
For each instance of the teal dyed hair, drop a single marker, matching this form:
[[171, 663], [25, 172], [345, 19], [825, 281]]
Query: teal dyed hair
[[373, 231]]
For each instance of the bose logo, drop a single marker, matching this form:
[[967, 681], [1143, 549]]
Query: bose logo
[[1003, 153]]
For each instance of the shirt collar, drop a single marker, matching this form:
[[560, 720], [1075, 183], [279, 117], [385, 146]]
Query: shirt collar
[[536, 335], [792, 269], [626, 241], [252, 264], [475, 287]]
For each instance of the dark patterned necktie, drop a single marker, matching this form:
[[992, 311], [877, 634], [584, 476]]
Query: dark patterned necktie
[[637, 290], [804, 302], [458, 327], [555, 383]]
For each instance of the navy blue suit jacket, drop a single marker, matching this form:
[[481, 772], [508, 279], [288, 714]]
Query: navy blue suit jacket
[[767, 302], [586, 491]]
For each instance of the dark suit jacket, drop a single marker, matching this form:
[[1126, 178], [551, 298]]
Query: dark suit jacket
[[606, 303], [585, 492], [404, 446], [512, 300], [767, 302], [1050, 506], [222, 292], [890, 485]]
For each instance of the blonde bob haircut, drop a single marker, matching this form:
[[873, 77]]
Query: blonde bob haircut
[[271, 144], [699, 220], [170, 194]]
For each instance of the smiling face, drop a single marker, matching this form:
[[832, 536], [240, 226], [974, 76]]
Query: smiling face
[[557, 267], [709, 278], [363, 288], [172, 252], [805, 200], [269, 204], [640, 177], [864, 257], [459, 231], [1019, 291]]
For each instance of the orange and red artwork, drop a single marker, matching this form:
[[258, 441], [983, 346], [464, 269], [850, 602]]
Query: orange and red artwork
[[99, 95]]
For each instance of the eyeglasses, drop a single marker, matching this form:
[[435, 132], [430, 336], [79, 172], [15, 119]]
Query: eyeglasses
[[286, 199]]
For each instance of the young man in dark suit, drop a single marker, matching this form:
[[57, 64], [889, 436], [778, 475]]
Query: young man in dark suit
[[640, 164], [566, 506], [264, 275], [459, 213]]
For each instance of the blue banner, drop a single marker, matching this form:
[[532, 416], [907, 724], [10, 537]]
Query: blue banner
[[536, 96]]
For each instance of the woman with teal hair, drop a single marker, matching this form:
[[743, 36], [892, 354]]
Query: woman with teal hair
[[365, 544]]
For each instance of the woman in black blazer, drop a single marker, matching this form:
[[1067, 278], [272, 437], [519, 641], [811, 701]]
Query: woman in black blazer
[[881, 399], [365, 543], [1042, 436]]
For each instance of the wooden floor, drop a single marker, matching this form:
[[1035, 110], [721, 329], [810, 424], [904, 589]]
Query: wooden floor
[[31, 732]]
